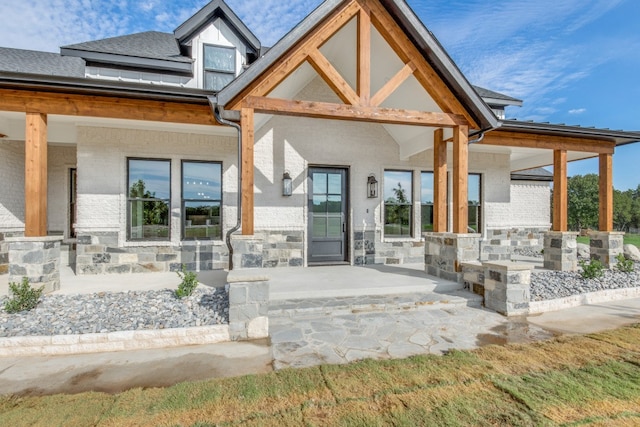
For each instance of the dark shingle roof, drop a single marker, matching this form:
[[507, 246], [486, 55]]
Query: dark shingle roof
[[536, 174], [486, 93], [32, 62], [149, 44]]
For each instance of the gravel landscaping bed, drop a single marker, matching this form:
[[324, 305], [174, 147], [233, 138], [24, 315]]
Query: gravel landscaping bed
[[548, 285], [117, 311]]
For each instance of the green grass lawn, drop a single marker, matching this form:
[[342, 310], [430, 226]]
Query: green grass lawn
[[631, 239], [568, 381]]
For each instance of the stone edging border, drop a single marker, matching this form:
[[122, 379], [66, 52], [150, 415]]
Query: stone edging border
[[537, 307], [112, 341]]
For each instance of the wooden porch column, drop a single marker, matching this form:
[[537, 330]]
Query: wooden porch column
[[35, 177], [560, 210], [246, 121], [606, 192], [460, 179], [439, 182]]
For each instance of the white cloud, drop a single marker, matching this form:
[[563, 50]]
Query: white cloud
[[578, 111]]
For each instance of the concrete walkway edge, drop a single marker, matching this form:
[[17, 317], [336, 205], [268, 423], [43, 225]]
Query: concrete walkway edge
[[113, 341]]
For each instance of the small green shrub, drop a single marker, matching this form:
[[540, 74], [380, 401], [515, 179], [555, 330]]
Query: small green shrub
[[189, 283], [592, 269], [624, 265], [23, 296]]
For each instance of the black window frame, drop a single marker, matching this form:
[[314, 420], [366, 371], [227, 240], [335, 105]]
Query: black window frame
[[206, 70], [409, 205], [155, 199], [183, 201], [422, 203], [478, 206]]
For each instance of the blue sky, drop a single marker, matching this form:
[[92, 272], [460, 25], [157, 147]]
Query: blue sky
[[571, 61]]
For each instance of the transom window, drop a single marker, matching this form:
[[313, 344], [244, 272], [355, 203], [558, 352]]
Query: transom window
[[149, 193], [219, 66], [201, 200], [398, 216]]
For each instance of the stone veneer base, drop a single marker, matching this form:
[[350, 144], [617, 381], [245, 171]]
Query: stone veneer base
[[37, 259], [561, 250]]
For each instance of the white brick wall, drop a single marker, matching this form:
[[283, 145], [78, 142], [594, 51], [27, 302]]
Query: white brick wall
[[530, 204], [60, 159], [12, 189], [102, 173]]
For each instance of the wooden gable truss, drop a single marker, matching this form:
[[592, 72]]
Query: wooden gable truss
[[359, 103]]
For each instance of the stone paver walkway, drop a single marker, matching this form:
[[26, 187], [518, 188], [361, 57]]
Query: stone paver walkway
[[341, 330]]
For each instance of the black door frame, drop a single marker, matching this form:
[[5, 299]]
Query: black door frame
[[346, 191]]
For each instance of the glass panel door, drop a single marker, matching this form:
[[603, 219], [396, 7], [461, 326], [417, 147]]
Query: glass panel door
[[327, 215]]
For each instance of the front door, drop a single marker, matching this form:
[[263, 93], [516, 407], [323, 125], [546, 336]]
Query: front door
[[327, 215]]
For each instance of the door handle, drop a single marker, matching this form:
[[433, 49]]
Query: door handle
[[344, 227]]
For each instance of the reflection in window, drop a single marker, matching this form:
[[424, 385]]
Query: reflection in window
[[426, 201], [201, 200], [148, 199], [398, 189], [327, 204], [475, 204], [219, 66]]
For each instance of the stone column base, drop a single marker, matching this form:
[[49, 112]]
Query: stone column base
[[247, 251], [605, 246], [507, 287], [561, 250], [444, 254], [248, 305], [37, 259]]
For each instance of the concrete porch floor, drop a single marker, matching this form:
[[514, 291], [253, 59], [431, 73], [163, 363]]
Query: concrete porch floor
[[285, 283]]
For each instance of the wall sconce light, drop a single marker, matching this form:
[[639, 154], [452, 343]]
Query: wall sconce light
[[372, 187], [287, 185]]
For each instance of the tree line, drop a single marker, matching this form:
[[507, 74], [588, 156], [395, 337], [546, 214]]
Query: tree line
[[583, 205]]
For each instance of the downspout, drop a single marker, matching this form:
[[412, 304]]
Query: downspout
[[478, 139], [217, 113]]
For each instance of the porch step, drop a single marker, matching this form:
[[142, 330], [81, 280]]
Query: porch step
[[374, 303]]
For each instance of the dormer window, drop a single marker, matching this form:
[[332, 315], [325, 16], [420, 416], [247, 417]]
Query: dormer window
[[219, 66]]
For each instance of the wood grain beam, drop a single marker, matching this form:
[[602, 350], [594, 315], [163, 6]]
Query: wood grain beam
[[560, 197], [326, 110], [364, 56], [424, 73], [35, 182], [247, 170], [531, 140], [460, 179], [104, 106], [298, 54], [393, 84], [439, 182], [332, 77], [606, 192]]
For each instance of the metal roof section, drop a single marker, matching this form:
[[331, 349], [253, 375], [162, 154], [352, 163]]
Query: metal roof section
[[408, 21], [496, 98], [82, 85], [213, 10], [45, 63], [536, 174], [620, 137]]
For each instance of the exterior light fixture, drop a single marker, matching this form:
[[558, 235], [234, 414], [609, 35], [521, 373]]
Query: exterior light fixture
[[372, 187], [287, 185]]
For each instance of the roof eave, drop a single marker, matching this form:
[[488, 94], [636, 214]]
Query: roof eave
[[501, 102], [619, 137], [86, 86], [441, 62]]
